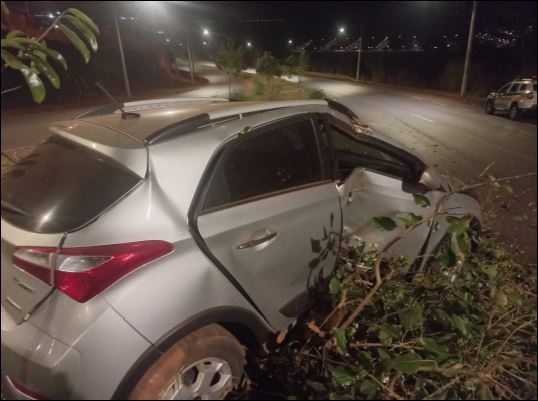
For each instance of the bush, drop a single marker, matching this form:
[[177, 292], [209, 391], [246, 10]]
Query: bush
[[237, 95], [259, 83], [316, 94]]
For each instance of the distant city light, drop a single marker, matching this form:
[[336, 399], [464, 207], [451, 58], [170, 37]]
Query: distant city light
[[205, 43], [206, 32], [51, 16], [290, 41], [341, 29], [249, 44]]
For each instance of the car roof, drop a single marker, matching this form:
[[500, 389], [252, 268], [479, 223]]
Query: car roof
[[186, 115]]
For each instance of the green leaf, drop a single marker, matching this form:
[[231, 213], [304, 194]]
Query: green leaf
[[341, 339], [421, 200], [384, 223], [408, 218], [458, 225], [84, 30], [365, 359], [461, 324], [57, 57], [315, 244], [412, 317], [501, 299], [33, 81], [431, 345], [313, 263], [76, 41], [47, 70], [316, 386], [410, 363], [84, 18], [14, 34], [383, 355], [507, 189], [460, 244], [12, 43], [388, 332], [27, 43], [442, 317], [335, 287], [446, 258], [11, 60], [343, 376]]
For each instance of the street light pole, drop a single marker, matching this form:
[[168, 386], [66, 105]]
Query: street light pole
[[191, 64], [463, 91], [124, 67], [359, 57]]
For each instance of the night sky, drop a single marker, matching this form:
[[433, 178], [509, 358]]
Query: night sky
[[270, 24]]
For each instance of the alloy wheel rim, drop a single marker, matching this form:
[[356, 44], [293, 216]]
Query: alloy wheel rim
[[206, 379]]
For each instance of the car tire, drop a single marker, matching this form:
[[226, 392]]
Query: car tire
[[489, 108], [206, 364], [514, 112]]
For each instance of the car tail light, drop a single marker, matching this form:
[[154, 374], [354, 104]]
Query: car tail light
[[530, 95], [84, 272], [32, 394]]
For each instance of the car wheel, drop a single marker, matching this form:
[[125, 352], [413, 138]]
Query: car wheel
[[514, 112], [489, 108], [207, 364]]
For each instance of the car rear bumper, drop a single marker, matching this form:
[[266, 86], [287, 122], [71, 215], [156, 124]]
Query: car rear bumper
[[35, 362]]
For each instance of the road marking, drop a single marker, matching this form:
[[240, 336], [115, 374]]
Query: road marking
[[422, 118], [439, 104]]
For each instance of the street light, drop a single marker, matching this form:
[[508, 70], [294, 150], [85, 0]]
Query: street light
[[206, 32], [290, 42], [341, 30], [249, 44]]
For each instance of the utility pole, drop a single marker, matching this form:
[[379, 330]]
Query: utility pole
[[463, 91], [191, 64], [124, 67], [359, 57]]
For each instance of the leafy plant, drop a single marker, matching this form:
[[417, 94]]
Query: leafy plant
[[31, 56], [296, 64], [268, 66], [237, 96], [316, 94], [463, 329], [231, 60]]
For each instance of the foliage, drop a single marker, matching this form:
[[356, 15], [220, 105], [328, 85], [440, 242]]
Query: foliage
[[463, 329], [268, 66], [231, 60], [31, 56], [296, 64], [260, 85], [316, 94], [238, 96]]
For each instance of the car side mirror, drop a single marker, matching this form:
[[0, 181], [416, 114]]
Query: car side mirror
[[431, 178]]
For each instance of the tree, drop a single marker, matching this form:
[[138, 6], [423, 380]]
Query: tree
[[32, 54], [268, 66], [297, 64], [230, 59]]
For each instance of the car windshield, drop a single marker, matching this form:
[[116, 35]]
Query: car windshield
[[61, 186]]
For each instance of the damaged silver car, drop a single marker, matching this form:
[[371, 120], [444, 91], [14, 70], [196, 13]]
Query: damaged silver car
[[144, 249]]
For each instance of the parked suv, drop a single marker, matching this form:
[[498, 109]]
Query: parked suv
[[144, 248], [515, 97]]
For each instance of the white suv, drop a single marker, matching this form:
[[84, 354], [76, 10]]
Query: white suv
[[515, 97]]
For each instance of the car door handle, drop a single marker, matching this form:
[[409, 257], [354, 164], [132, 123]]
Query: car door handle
[[249, 243]]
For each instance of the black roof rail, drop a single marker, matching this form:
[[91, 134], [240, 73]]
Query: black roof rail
[[341, 108], [177, 129], [97, 111]]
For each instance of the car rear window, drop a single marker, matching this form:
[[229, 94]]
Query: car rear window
[[61, 186]]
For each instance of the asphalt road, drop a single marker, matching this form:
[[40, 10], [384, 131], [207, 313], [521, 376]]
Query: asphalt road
[[457, 138]]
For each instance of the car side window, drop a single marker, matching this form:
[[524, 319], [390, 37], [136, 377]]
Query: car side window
[[351, 153], [265, 163], [523, 87], [505, 88]]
